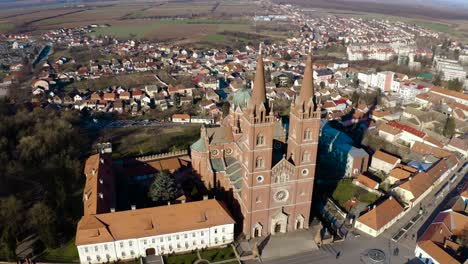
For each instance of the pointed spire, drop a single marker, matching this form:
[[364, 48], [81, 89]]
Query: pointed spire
[[259, 91], [307, 90]]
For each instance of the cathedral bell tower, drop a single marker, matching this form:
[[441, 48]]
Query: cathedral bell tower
[[304, 126]]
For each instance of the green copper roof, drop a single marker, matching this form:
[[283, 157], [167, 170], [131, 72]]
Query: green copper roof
[[199, 145], [425, 75], [235, 176], [238, 185], [217, 165], [233, 168], [241, 97], [230, 161]]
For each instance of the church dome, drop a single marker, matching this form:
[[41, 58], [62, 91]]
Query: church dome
[[241, 97]]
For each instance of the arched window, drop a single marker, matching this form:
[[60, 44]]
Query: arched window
[[305, 156], [307, 135], [260, 139], [259, 162]]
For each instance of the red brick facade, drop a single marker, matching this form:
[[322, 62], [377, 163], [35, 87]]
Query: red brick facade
[[274, 194]]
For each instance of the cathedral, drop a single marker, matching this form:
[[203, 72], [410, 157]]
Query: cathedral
[[268, 171]]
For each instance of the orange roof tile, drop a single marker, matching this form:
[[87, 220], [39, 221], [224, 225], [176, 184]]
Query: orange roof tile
[[151, 221], [447, 92], [437, 253], [366, 181], [385, 157], [418, 184], [99, 187], [389, 129], [425, 149], [399, 174], [383, 213]]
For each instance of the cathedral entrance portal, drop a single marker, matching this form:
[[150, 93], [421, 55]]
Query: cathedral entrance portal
[[257, 231], [279, 223], [277, 228]]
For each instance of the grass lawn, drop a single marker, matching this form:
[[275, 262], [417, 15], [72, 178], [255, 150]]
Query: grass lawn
[[181, 259], [218, 254], [139, 141], [66, 253], [346, 190]]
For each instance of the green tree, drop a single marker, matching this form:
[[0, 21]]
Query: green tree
[[322, 84], [355, 97], [437, 80], [268, 75], [356, 83], [287, 56], [455, 85], [11, 213], [226, 108], [163, 189], [43, 219], [8, 244], [449, 128], [378, 96]]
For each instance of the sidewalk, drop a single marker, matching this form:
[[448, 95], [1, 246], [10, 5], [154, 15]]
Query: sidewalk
[[288, 244]]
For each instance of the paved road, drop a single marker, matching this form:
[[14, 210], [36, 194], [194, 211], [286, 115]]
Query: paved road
[[352, 249], [431, 205]]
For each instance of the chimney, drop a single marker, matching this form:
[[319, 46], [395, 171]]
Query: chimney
[[101, 195], [101, 181], [205, 197], [112, 210], [183, 201], [169, 203], [133, 207]]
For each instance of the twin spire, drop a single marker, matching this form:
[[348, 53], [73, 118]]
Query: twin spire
[[259, 90]]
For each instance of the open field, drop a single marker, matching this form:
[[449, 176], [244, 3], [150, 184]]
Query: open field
[[209, 22]]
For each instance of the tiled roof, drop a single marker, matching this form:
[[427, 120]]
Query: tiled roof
[[425, 149], [151, 221], [219, 135], [437, 253], [99, 187], [366, 181], [385, 157], [447, 92], [407, 129], [383, 213], [418, 184], [399, 174], [389, 129]]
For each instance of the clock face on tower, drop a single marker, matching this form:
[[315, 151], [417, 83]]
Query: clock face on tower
[[281, 195]]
